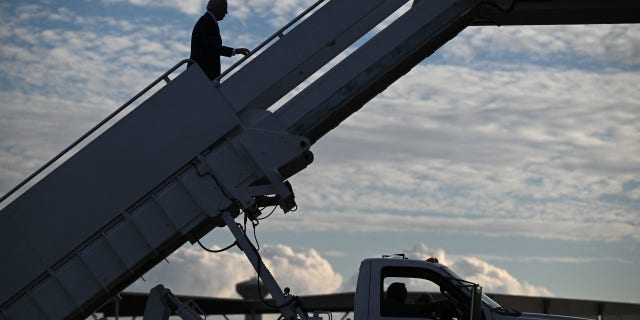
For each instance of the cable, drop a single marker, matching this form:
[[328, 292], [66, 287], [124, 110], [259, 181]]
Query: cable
[[218, 251], [294, 299], [269, 215], [255, 223]]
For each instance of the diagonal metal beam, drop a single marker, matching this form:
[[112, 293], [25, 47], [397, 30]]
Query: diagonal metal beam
[[550, 12], [373, 67]]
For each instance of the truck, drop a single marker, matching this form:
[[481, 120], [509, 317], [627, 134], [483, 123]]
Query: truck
[[400, 288], [196, 155]]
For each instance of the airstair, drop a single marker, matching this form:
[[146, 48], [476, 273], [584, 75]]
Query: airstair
[[196, 152]]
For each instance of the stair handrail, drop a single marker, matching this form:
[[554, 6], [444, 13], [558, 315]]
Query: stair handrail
[[279, 34], [164, 77]]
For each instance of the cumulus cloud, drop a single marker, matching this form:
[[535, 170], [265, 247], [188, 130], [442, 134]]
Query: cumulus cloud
[[492, 278], [193, 271], [307, 272]]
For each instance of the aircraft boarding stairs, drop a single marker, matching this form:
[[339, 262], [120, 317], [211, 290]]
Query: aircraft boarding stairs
[[196, 152]]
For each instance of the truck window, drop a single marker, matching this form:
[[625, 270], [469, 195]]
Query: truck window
[[411, 293]]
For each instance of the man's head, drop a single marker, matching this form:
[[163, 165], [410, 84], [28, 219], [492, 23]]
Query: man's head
[[397, 292], [218, 8]]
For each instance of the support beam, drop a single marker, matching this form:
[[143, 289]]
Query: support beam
[[287, 305], [536, 12]]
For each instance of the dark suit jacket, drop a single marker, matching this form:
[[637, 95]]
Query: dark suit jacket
[[206, 46]]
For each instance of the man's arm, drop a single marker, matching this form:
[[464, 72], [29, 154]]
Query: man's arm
[[228, 52], [242, 51]]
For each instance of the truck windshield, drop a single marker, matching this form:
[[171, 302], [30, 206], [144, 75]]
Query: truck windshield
[[465, 284]]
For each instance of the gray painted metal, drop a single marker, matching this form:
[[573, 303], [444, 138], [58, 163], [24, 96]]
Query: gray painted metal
[[86, 135], [535, 12], [369, 70], [95, 224], [165, 172], [134, 195], [304, 50], [75, 235]]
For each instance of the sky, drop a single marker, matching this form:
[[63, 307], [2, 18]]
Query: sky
[[512, 154]]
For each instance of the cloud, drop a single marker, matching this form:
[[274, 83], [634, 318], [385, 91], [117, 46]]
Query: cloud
[[195, 272], [276, 13], [568, 44], [189, 7], [494, 144], [307, 272], [81, 61], [63, 73], [495, 150], [492, 278], [372, 221], [560, 259]]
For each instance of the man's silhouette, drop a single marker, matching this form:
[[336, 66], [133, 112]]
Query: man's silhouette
[[206, 43]]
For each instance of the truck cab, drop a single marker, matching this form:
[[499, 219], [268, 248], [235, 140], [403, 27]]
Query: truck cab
[[405, 289]]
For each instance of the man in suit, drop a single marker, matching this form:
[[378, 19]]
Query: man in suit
[[206, 43]]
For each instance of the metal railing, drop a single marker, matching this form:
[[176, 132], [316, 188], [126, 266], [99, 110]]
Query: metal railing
[[164, 77], [277, 34]]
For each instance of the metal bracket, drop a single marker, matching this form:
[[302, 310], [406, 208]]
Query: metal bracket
[[161, 303], [248, 165]]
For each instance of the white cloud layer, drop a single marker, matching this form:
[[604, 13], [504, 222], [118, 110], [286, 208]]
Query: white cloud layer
[[190, 7], [194, 271], [277, 13], [508, 227], [512, 151], [606, 43]]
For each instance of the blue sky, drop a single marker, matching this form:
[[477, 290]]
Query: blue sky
[[512, 152]]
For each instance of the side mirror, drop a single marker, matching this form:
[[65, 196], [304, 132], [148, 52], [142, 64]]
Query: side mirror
[[475, 307]]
